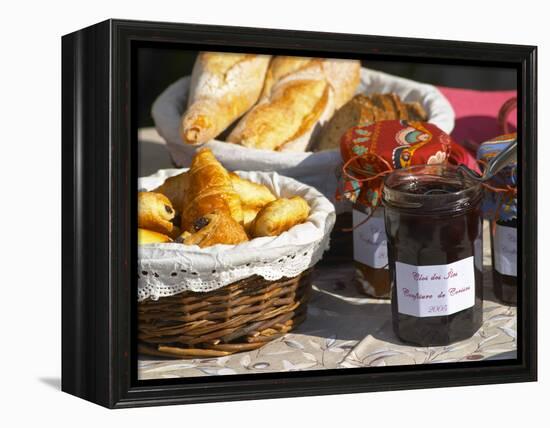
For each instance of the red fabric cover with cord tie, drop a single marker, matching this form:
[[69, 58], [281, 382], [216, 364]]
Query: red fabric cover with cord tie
[[371, 151]]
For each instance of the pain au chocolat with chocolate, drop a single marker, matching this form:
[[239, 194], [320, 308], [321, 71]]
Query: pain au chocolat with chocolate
[[369, 152]]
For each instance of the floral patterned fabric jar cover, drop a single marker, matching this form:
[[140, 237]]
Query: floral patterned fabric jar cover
[[369, 152]]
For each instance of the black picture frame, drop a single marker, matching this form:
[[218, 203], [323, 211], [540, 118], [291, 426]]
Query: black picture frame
[[99, 172]]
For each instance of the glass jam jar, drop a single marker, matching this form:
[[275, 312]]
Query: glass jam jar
[[504, 257], [500, 207], [370, 255], [435, 253]]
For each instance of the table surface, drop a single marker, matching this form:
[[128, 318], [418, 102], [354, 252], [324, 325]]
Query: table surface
[[343, 329]]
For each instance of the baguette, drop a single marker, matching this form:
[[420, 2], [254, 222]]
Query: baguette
[[223, 87], [290, 113], [299, 95], [342, 75]]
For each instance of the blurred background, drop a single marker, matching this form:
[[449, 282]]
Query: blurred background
[[159, 67]]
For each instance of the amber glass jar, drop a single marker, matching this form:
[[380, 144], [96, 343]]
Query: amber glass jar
[[370, 252], [434, 228], [504, 257]]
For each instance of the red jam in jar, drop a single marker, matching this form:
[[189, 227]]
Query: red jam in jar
[[434, 230]]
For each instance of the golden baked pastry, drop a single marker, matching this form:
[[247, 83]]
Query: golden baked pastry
[[174, 188], [281, 67], [176, 231], [249, 215], [362, 109], [155, 212], [415, 112], [299, 95], [253, 195], [223, 87], [342, 75], [149, 237], [288, 114], [216, 207], [279, 216], [215, 228], [209, 189]]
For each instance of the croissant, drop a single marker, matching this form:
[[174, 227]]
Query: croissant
[[279, 216], [253, 195], [155, 212], [223, 87], [149, 237], [249, 215], [215, 228], [209, 189], [174, 188]]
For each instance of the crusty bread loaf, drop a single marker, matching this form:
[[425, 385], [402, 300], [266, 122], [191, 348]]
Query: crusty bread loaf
[[289, 114], [342, 75], [223, 87], [363, 109], [416, 112], [299, 95], [283, 66]]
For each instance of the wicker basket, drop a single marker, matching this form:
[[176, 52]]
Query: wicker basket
[[238, 317]]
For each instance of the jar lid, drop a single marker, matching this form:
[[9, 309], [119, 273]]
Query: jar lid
[[371, 149], [499, 205], [431, 189]]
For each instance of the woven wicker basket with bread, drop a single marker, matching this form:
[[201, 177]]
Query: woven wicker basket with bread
[[225, 259]]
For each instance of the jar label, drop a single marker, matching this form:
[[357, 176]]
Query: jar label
[[505, 248], [370, 245], [437, 290]]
